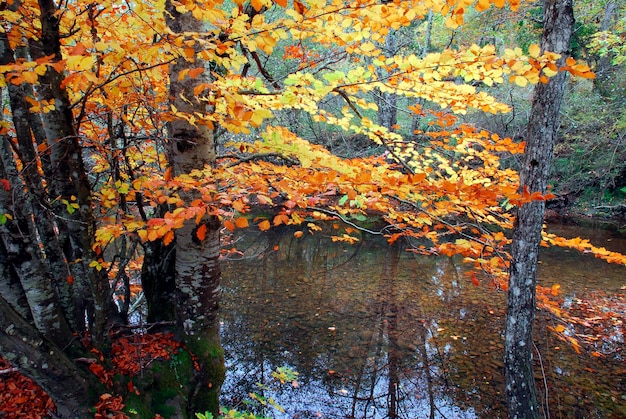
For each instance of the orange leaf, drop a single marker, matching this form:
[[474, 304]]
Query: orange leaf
[[230, 226], [281, 3], [201, 232], [264, 225], [78, 49], [300, 7], [239, 206], [195, 72], [298, 234], [257, 4], [168, 237], [280, 219], [241, 222], [168, 174]]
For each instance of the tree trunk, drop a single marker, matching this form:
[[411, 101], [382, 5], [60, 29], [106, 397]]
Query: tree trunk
[[534, 176], [28, 125], [76, 229], [387, 102], [197, 267], [605, 82]]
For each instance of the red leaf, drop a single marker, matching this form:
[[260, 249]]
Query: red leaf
[[5, 184], [474, 279], [201, 232]]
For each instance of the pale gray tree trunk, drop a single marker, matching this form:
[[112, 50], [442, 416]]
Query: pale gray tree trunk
[[27, 126], [24, 256], [76, 230], [541, 134], [197, 260]]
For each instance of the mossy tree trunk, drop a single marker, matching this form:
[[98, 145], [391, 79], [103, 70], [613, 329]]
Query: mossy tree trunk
[[197, 271]]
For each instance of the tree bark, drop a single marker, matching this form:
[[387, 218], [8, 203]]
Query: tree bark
[[76, 230], [541, 134], [28, 125], [19, 239], [197, 261], [605, 82], [387, 102]]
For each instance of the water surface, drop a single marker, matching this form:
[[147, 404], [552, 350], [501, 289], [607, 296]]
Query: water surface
[[376, 332]]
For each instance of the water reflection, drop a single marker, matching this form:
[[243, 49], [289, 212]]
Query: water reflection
[[374, 332]]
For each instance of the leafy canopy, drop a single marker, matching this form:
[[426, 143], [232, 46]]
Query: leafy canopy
[[443, 186]]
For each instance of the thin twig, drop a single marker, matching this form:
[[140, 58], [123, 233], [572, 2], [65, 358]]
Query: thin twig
[[546, 409]]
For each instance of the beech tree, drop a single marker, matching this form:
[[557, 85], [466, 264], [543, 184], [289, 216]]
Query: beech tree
[[115, 184], [540, 137]]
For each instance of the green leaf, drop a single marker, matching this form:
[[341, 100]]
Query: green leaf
[[334, 76]]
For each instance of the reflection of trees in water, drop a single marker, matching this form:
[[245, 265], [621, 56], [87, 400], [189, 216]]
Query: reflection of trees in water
[[352, 325], [373, 331]]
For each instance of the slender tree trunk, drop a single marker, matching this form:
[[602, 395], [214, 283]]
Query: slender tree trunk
[[534, 176], [387, 102], [605, 82], [28, 125], [77, 229], [19, 239]]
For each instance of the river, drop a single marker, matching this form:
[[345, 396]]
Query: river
[[376, 332]]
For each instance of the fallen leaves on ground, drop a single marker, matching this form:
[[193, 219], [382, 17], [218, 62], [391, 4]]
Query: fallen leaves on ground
[[20, 397]]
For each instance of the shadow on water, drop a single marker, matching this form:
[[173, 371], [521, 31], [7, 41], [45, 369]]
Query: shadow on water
[[376, 332]]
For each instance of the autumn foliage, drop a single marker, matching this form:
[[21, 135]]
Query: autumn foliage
[[442, 186], [20, 397]]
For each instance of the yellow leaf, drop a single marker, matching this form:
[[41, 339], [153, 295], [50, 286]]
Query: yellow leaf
[[560, 328], [521, 81], [368, 47], [534, 50]]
